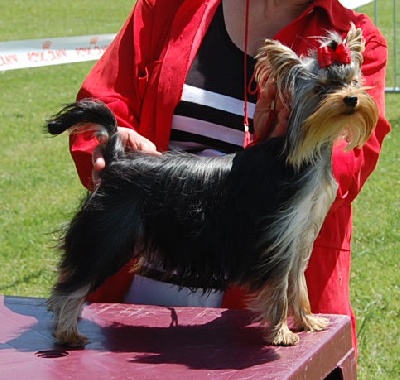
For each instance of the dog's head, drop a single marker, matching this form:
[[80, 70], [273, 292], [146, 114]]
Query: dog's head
[[324, 90]]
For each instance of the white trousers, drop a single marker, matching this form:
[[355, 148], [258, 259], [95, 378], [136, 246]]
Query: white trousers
[[146, 291]]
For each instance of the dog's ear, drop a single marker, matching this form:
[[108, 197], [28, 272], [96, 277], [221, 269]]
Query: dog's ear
[[274, 60], [356, 43], [280, 63]]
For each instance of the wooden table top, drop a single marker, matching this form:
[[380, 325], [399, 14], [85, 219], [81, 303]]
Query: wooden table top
[[147, 342]]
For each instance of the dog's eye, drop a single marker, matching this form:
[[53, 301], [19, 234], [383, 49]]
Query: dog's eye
[[318, 89]]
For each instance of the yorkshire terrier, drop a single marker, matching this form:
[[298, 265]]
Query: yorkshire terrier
[[248, 218]]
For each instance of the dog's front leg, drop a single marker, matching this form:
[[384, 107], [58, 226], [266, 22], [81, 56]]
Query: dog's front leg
[[271, 304], [320, 202], [299, 303]]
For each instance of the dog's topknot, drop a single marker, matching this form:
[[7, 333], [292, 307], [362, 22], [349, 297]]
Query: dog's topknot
[[353, 45]]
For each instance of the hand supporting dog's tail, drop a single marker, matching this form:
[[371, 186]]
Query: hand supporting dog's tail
[[90, 115]]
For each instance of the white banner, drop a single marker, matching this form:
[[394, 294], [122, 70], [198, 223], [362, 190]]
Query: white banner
[[52, 51]]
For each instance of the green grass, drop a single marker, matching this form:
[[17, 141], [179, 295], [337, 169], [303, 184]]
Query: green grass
[[38, 185], [382, 13], [375, 288], [39, 189], [28, 19]]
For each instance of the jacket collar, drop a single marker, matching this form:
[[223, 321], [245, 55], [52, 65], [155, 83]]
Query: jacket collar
[[338, 14]]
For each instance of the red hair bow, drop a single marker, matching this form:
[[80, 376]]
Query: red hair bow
[[328, 55]]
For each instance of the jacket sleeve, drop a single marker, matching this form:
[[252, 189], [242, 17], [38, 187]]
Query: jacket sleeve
[[116, 79], [351, 169]]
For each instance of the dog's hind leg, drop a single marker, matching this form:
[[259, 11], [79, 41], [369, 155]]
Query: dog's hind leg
[[94, 247], [66, 309]]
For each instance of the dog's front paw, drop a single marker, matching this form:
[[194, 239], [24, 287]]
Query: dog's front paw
[[312, 322], [282, 337]]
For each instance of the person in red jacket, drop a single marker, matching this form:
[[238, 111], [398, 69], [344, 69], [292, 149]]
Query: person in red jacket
[[175, 78]]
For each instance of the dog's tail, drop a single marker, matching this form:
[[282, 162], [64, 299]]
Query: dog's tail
[[90, 115]]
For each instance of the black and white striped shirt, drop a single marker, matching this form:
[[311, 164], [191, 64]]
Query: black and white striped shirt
[[209, 119]]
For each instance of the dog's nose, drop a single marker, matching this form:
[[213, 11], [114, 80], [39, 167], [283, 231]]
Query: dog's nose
[[350, 101]]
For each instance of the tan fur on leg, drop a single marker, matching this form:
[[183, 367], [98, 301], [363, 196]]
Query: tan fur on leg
[[66, 309], [282, 337], [300, 306], [271, 305]]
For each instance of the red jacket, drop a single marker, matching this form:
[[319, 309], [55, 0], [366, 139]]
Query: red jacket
[[141, 77]]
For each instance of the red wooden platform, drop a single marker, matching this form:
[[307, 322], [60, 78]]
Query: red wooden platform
[[147, 342]]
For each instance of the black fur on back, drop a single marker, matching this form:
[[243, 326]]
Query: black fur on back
[[203, 218]]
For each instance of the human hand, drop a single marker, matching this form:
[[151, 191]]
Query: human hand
[[270, 115], [132, 141]]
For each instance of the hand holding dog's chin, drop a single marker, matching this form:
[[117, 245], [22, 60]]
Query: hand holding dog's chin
[[271, 115], [132, 140]]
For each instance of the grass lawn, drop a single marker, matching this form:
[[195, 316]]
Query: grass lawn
[[39, 189]]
